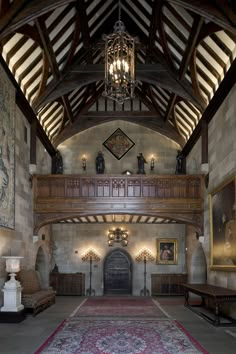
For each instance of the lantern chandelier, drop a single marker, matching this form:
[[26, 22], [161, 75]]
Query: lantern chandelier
[[118, 235], [119, 64]]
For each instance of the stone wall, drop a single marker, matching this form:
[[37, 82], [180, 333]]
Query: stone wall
[[222, 165], [222, 162], [90, 142], [20, 240], [70, 242]]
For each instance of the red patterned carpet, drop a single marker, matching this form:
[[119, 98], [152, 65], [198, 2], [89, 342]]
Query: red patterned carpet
[[119, 307], [133, 325], [90, 336]]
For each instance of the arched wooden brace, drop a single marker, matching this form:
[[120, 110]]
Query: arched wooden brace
[[176, 197]]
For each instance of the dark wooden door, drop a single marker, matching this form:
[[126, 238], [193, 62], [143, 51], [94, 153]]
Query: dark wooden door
[[117, 273]]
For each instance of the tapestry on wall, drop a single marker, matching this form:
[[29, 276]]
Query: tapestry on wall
[[7, 152]]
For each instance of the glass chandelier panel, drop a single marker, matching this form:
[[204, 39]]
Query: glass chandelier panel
[[119, 65]]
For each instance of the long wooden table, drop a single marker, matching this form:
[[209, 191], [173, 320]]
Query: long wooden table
[[218, 296]]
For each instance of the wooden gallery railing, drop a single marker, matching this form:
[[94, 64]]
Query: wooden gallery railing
[[58, 197]]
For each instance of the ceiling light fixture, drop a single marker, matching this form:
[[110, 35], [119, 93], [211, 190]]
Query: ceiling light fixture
[[119, 64], [118, 235]]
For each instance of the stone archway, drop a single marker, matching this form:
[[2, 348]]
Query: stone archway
[[198, 269], [118, 273], [41, 267]]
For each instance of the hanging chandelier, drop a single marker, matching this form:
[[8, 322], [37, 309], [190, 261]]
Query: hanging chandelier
[[119, 64], [118, 235]]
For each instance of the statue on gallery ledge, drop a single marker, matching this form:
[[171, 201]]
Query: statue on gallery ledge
[[100, 163], [141, 162]]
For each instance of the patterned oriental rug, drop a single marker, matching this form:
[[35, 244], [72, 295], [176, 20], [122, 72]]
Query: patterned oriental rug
[[119, 307], [134, 336]]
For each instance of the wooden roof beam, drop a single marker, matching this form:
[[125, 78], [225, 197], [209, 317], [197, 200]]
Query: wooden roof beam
[[82, 75], [22, 12], [157, 24], [220, 13]]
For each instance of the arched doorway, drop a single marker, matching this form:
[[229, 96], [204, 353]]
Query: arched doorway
[[118, 273], [41, 267]]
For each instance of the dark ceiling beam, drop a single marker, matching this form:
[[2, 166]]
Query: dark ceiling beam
[[158, 55], [75, 41], [43, 81], [207, 30], [85, 31], [47, 46], [67, 107], [215, 103], [190, 48], [22, 12], [170, 107], [80, 76], [221, 15], [72, 129], [4, 7], [146, 100], [189, 52], [91, 119], [12, 12], [29, 114], [51, 57], [154, 102], [157, 24], [120, 114]]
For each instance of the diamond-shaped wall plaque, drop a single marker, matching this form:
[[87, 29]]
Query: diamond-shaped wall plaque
[[118, 143]]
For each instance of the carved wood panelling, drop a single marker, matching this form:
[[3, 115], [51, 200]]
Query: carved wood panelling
[[60, 197], [150, 187]]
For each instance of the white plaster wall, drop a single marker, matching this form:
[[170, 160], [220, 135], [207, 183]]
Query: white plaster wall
[[90, 142], [68, 239]]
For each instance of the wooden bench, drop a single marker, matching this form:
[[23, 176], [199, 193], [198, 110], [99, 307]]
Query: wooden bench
[[217, 295], [34, 298]]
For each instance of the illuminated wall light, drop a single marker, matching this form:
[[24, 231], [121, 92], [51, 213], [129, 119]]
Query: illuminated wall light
[[152, 164], [84, 162]]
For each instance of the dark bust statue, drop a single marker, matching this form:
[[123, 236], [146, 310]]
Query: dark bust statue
[[100, 163], [57, 163], [141, 162], [180, 163]]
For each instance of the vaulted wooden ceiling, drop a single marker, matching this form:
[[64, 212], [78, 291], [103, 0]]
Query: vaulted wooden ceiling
[[55, 51]]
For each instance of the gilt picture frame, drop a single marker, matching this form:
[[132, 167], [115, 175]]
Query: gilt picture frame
[[167, 251], [118, 144], [223, 226]]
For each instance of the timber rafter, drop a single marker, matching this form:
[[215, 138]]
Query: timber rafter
[[55, 50]]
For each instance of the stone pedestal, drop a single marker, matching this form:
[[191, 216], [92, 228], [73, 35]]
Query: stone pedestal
[[12, 295]]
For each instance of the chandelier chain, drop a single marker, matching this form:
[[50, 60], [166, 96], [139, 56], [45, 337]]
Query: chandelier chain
[[119, 13]]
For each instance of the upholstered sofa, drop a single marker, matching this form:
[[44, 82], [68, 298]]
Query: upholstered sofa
[[34, 298]]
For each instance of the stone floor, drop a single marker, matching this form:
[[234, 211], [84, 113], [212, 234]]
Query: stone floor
[[26, 337]]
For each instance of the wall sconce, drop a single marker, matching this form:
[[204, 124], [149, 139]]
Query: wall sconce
[[12, 288], [84, 162], [152, 164], [118, 235]]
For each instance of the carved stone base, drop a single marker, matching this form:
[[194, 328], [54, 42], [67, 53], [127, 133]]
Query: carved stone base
[[12, 317]]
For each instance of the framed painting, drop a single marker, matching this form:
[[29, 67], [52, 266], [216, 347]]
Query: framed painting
[[118, 143], [223, 226], [167, 251]]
